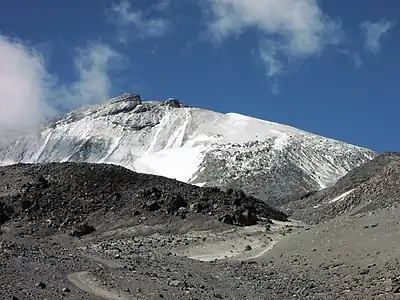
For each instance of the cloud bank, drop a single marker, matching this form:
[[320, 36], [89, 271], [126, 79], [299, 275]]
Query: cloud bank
[[289, 29], [24, 85], [373, 32], [29, 93]]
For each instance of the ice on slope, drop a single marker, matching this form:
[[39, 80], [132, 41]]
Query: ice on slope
[[176, 163], [235, 128], [194, 131]]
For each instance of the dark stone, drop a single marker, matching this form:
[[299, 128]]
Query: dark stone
[[5, 213], [25, 204], [116, 197], [152, 192], [249, 204], [171, 102], [182, 211], [196, 207], [240, 194], [364, 271], [247, 218], [65, 290], [227, 219], [177, 202], [3, 217], [41, 285], [153, 205], [43, 183], [247, 248], [175, 283], [83, 229], [240, 197]]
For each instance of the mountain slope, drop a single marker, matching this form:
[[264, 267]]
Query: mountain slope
[[192, 145], [372, 186]]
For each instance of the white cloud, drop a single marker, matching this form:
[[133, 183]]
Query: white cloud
[[29, 94], [93, 65], [373, 32], [288, 29], [24, 85], [127, 19]]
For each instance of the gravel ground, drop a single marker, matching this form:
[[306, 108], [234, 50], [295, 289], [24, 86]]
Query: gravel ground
[[161, 254]]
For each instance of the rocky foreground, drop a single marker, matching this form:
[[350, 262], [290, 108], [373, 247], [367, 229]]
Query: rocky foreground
[[83, 231]]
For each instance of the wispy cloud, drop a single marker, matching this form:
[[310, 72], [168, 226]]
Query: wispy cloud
[[288, 29], [354, 56], [373, 32], [29, 93], [139, 23], [162, 5], [93, 64]]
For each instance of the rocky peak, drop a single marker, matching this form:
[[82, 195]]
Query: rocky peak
[[172, 102], [128, 97]]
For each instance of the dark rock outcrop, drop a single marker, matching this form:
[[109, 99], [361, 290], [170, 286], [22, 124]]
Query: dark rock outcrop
[[71, 193], [172, 102]]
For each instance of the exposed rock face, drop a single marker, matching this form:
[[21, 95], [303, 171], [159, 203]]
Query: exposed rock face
[[71, 195], [128, 97], [172, 102]]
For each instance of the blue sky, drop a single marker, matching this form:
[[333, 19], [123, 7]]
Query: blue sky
[[327, 67]]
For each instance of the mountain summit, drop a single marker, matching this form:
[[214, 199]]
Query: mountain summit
[[198, 146]]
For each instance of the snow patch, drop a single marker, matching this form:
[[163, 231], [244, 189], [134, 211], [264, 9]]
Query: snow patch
[[341, 197], [281, 142], [7, 163], [337, 199], [176, 163]]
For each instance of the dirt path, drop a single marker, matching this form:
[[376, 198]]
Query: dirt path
[[86, 283], [238, 244]]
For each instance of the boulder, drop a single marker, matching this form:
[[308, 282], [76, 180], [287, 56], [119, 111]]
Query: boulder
[[83, 229], [152, 205], [176, 203], [246, 218], [227, 219], [172, 102]]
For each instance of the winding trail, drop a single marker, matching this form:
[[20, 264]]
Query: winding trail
[[85, 282]]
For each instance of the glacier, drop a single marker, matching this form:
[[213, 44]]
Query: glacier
[[193, 145]]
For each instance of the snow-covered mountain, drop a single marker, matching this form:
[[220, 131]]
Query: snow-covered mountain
[[192, 145]]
